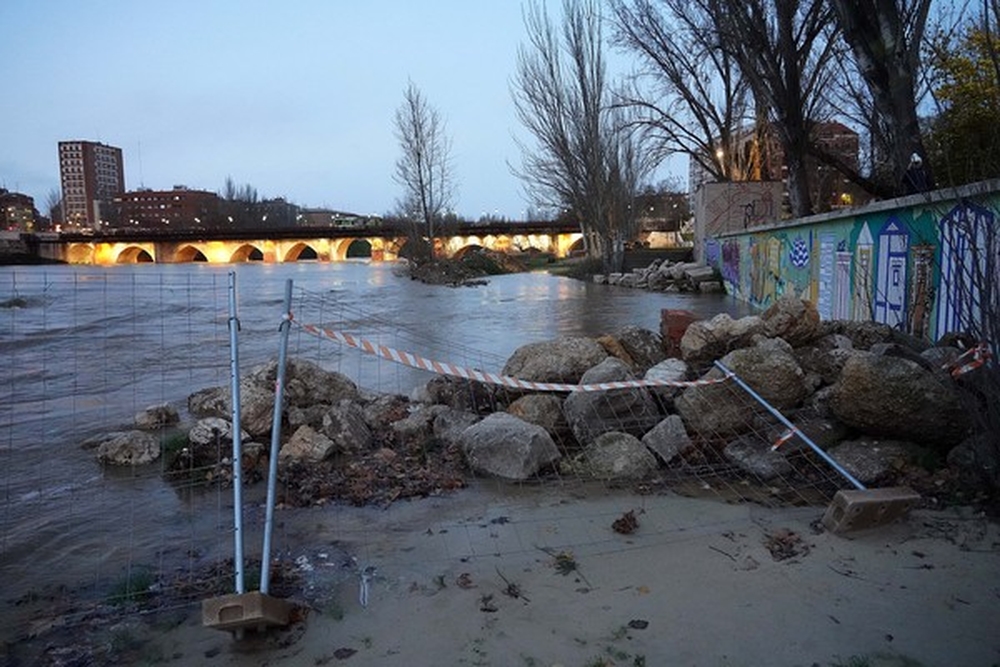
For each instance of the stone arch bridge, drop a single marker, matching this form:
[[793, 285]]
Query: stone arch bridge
[[297, 244]]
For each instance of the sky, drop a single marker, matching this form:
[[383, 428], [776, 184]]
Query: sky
[[295, 98]]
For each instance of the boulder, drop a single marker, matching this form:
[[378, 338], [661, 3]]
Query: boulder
[[256, 405], [308, 446], [591, 413], [864, 334], [545, 410], [306, 383], [668, 439], [616, 455], [128, 448], [157, 417], [461, 394], [448, 424], [416, 427], [308, 416], [723, 409], [210, 402], [792, 319], [643, 346], [976, 460], [899, 399], [344, 423], [381, 411], [825, 357], [872, 461], [706, 340], [209, 431], [563, 360], [755, 457], [501, 445], [668, 370]]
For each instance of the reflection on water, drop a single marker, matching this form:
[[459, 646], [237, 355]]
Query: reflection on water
[[88, 347]]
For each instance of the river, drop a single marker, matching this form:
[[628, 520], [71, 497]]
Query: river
[[85, 348]]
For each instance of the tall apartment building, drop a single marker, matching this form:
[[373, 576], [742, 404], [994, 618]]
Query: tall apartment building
[[92, 175]]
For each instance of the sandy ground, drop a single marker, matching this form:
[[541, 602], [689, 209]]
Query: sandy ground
[[541, 579]]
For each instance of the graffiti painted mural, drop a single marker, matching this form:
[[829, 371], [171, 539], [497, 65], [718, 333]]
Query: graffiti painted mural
[[914, 265]]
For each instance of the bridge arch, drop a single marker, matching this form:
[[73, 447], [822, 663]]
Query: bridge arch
[[189, 253], [133, 255], [246, 253], [300, 251], [80, 253]]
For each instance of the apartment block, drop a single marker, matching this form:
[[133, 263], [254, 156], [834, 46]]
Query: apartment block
[[92, 175]]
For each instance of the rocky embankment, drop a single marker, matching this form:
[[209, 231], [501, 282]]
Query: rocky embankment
[[882, 403], [666, 276]]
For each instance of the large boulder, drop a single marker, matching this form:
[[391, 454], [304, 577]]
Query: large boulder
[[899, 399], [128, 448], [865, 333], [564, 360], [669, 439], [591, 413], [792, 319], [707, 340], [308, 446], [256, 405], [870, 460], [976, 461], [156, 417], [212, 432], [616, 455], [643, 346], [501, 445], [668, 371], [723, 408], [825, 357], [448, 424], [306, 383], [545, 410], [461, 394], [756, 457], [344, 423]]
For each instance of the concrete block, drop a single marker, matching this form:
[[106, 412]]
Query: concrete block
[[245, 610], [857, 509]]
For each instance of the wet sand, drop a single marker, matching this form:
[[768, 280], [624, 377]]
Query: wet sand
[[538, 577]]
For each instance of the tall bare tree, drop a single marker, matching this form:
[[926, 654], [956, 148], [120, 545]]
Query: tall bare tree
[[885, 37], [784, 49], [424, 167], [585, 157], [688, 92]]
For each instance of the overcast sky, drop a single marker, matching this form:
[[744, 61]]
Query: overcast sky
[[295, 97]]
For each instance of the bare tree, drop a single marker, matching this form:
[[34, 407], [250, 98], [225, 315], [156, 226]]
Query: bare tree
[[53, 206], [424, 167], [688, 92], [885, 38], [784, 49], [585, 158]]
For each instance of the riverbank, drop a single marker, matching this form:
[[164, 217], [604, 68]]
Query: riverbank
[[509, 575]]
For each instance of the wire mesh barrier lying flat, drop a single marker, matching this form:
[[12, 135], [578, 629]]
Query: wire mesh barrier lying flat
[[111, 510]]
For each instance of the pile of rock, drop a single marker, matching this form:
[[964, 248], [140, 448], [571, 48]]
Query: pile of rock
[[877, 400], [662, 275]]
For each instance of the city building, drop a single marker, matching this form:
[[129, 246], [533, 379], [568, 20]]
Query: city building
[[17, 212], [92, 175], [178, 208], [763, 159]]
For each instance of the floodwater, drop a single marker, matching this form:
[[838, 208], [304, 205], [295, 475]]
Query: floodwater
[[85, 348]]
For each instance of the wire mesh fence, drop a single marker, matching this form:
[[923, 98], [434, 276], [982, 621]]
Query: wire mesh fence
[[87, 539]]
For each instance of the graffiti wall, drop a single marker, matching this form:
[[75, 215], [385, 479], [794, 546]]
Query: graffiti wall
[[914, 263]]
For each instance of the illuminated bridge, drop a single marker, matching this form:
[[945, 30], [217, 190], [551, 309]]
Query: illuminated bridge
[[296, 244]]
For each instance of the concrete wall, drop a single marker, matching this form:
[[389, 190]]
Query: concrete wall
[[906, 262]]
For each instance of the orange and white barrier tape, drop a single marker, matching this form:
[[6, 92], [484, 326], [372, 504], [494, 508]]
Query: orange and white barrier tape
[[444, 368], [970, 360]]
